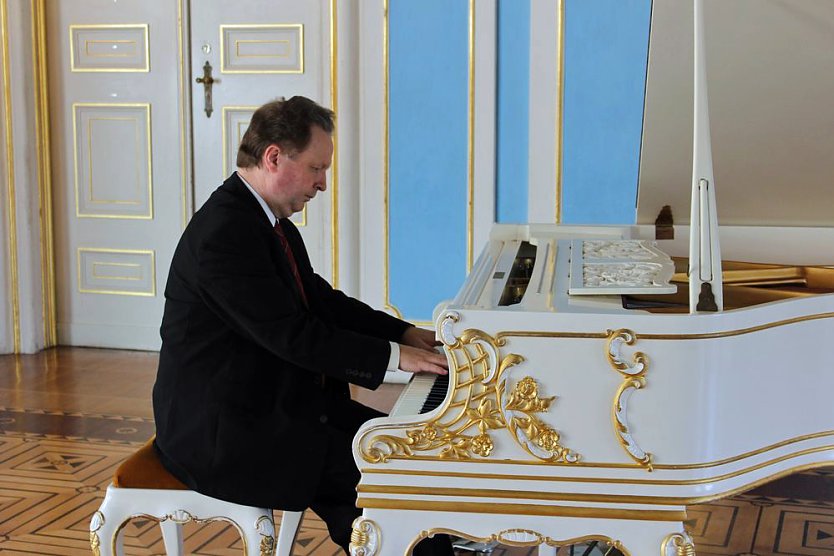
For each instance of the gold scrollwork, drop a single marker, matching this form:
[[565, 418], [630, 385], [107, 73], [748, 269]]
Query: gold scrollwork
[[681, 543], [524, 538], [267, 546], [266, 529], [480, 403], [95, 524], [634, 378], [365, 537]]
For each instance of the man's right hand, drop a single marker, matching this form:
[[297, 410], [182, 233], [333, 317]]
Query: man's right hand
[[415, 360]]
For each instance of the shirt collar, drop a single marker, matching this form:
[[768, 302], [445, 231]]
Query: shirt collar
[[260, 200]]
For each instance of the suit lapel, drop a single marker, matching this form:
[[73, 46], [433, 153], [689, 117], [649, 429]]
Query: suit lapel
[[236, 187]]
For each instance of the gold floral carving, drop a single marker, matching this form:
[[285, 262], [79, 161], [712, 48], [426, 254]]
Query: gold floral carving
[[634, 378], [681, 543], [481, 402], [267, 546], [265, 527]]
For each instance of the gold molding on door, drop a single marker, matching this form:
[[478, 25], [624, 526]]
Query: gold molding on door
[[147, 114], [298, 27], [143, 27], [131, 293]]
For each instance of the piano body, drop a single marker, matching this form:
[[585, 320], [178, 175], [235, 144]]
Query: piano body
[[590, 396]]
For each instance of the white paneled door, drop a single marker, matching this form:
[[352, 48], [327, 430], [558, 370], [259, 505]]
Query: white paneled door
[[117, 147], [256, 52], [130, 166]]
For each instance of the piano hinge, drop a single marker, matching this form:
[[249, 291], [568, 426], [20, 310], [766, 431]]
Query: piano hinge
[[664, 224], [706, 299]]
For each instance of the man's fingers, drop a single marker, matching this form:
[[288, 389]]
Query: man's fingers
[[417, 360]]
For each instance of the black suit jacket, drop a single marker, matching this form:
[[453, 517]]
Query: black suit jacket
[[249, 378]]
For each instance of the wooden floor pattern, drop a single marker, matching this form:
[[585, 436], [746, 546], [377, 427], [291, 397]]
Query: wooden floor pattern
[[68, 417]]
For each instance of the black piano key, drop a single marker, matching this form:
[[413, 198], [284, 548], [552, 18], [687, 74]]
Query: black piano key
[[437, 393]]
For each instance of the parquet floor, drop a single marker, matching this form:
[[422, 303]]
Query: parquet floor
[[69, 416]]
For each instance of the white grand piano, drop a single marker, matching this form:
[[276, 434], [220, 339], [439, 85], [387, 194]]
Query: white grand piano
[[602, 379]]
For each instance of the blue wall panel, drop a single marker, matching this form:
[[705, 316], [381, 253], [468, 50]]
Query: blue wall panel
[[428, 111], [513, 98], [606, 47]]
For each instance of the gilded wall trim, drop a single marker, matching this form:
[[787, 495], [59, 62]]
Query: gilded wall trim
[[386, 161], [185, 208], [10, 183], [334, 169], [470, 144], [560, 104], [44, 163]]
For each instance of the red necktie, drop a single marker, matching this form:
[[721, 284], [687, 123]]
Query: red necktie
[[291, 259]]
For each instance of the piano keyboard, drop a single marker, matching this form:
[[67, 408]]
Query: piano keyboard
[[422, 394]]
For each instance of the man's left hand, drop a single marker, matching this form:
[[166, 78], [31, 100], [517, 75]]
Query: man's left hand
[[420, 338]]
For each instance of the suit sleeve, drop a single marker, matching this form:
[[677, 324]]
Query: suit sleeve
[[349, 312], [238, 280], [358, 316]]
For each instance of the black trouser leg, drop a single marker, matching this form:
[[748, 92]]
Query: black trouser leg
[[335, 500]]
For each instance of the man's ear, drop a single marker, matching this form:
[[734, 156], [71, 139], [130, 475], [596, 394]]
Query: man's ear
[[272, 157]]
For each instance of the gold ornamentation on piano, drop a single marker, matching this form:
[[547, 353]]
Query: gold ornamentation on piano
[[95, 524], [365, 537], [634, 378], [680, 543], [521, 538], [480, 404]]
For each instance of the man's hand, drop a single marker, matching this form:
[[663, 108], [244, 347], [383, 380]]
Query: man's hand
[[415, 360], [418, 337]]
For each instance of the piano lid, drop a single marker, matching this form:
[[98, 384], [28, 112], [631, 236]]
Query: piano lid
[[770, 72]]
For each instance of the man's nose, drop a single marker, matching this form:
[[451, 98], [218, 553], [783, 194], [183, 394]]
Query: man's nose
[[322, 183]]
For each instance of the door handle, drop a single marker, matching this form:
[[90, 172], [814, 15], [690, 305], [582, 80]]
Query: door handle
[[207, 80]]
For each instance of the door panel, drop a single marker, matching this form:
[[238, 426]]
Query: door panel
[[257, 52], [117, 170]]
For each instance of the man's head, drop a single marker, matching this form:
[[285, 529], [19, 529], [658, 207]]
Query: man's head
[[286, 152]]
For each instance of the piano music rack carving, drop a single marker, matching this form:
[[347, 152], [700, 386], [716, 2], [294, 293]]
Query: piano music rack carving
[[480, 404], [634, 375]]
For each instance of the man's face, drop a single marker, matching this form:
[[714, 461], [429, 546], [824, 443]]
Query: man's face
[[299, 176]]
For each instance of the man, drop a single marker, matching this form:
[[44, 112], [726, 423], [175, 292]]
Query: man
[[251, 399]]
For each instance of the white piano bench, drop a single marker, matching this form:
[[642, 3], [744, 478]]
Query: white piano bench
[[172, 505]]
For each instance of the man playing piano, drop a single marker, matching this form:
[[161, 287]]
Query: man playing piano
[[251, 399]]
